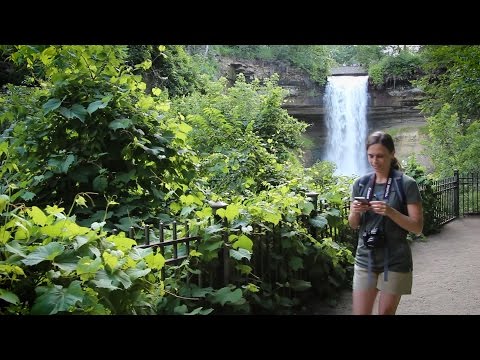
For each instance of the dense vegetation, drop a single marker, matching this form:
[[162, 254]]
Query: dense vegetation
[[101, 138]]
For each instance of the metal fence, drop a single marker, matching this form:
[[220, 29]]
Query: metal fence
[[454, 196]]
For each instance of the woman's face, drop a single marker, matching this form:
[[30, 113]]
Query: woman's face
[[379, 158]]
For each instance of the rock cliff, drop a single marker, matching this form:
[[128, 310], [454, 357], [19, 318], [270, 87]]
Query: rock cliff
[[392, 110]]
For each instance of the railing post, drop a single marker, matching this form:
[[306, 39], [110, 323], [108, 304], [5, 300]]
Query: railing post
[[224, 253], [314, 197], [456, 192]]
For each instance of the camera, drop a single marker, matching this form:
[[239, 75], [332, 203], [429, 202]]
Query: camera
[[373, 238]]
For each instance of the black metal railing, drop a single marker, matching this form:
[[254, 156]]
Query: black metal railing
[[454, 196]]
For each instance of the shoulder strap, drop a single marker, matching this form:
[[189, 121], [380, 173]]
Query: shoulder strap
[[398, 177], [364, 179]]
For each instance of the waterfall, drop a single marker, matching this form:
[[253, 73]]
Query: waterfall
[[345, 103]]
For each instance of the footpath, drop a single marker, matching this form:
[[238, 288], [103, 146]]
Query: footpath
[[446, 275]]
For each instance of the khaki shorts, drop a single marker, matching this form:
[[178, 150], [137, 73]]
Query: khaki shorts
[[398, 283]]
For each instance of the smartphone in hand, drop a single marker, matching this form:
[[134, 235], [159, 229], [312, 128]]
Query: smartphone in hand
[[362, 199]]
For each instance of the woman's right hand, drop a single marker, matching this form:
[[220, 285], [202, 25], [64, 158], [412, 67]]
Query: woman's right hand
[[360, 207]]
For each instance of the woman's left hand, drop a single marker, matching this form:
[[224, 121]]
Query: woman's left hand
[[379, 207]]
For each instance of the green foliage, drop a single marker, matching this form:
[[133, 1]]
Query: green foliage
[[50, 265], [243, 136], [376, 73], [400, 69], [314, 59], [172, 70], [451, 76], [356, 54], [451, 106], [91, 128], [415, 170]]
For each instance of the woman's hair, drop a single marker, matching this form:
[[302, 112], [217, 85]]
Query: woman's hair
[[379, 137]]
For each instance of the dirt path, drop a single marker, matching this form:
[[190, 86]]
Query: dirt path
[[446, 274]]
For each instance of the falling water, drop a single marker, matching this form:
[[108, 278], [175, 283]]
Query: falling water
[[345, 103]]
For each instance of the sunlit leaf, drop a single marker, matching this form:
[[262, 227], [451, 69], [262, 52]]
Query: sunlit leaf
[[37, 215]]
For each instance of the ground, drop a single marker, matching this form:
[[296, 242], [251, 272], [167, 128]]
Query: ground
[[446, 281]]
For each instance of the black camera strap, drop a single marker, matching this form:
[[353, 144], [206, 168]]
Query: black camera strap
[[386, 195]]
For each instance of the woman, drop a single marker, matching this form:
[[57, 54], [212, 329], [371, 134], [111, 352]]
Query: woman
[[383, 261]]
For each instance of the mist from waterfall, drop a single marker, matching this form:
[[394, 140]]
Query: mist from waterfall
[[345, 104]]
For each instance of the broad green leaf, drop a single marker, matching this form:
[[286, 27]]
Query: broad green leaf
[[123, 278], [79, 112], [295, 263], [243, 242], [213, 229], [134, 273], [199, 311], [180, 310], [145, 102], [139, 253], [37, 215], [57, 299], [66, 164], [300, 285], [21, 233], [4, 235], [156, 261], [94, 106], [54, 210], [307, 207], [184, 127], [110, 260], [244, 269], [79, 242], [272, 218], [225, 295], [240, 254], [201, 292], [100, 183], [232, 211], [195, 253], [211, 245], [121, 242], [186, 210], [123, 123], [27, 196], [106, 280], [318, 221], [42, 253], [112, 280], [126, 223], [252, 288], [64, 229], [15, 248], [67, 264], [105, 283], [86, 265], [66, 112], [9, 296], [51, 105], [4, 200]]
